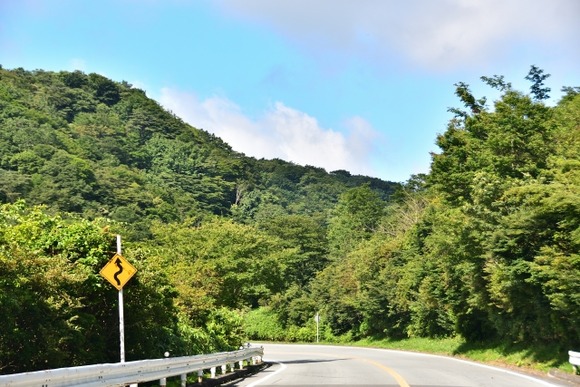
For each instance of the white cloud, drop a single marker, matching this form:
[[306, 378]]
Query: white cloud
[[442, 34], [281, 132]]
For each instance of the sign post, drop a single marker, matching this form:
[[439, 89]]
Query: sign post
[[118, 271], [317, 319]]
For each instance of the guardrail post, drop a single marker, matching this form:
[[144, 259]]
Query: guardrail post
[[241, 364], [163, 382], [184, 380], [224, 369], [212, 372], [200, 376]]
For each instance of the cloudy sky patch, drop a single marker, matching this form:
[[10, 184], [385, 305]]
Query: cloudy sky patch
[[358, 85]]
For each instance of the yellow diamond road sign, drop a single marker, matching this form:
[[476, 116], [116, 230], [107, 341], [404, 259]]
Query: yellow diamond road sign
[[118, 271]]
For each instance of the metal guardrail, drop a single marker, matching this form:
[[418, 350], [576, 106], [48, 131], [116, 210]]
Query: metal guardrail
[[575, 361], [134, 372]]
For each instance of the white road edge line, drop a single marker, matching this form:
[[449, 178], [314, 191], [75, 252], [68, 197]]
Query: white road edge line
[[474, 363], [260, 381]]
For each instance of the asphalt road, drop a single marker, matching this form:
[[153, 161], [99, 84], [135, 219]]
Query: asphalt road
[[321, 365]]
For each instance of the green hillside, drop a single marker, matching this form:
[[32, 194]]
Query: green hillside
[[88, 145], [229, 248], [82, 158]]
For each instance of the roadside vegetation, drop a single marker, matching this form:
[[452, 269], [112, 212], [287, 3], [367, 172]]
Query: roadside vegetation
[[535, 359]]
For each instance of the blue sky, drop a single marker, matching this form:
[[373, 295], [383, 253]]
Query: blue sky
[[361, 85]]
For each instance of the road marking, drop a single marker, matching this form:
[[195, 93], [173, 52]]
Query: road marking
[[402, 382], [257, 382]]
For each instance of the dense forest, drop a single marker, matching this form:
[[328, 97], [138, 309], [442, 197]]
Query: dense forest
[[229, 248]]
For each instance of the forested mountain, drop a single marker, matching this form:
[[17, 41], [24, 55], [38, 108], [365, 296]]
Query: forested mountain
[[85, 144], [227, 247], [210, 230]]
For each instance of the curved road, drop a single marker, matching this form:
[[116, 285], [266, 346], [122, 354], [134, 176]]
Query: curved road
[[322, 365]]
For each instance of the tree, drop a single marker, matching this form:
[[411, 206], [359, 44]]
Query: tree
[[537, 77], [58, 310], [104, 89], [354, 219], [511, 142], [307, 235], [239, 266]]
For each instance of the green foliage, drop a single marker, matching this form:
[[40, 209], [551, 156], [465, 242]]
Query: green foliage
[[237, 265], [487, 250], [46, 278], [537, 77], [354, 219], [508, 179], [294, 307], [225, 325], [227, 247], [535, 358], [86, 144], [335, 291], [262, 324], [307, 235], [60, 312]]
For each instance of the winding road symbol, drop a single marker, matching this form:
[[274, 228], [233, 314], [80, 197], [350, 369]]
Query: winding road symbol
[[118, 271], [120, 266]]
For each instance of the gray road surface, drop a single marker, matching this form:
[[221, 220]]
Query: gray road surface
[[321, 365]]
